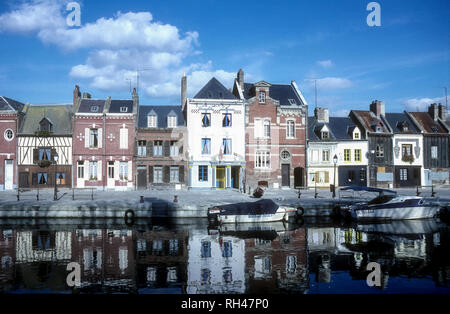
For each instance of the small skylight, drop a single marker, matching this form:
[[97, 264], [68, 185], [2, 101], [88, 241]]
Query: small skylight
[[434, 128], [123, 109], [292, 101], [94, 108]]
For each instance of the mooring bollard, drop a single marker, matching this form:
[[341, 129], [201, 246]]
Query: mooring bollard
[[299, 193], [417, 191], [37, 195], [175, 199], [142, 199], [73, 194], [92, 194], [433, 193]]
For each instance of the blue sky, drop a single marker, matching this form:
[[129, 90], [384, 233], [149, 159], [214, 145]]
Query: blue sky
[[404, 62]]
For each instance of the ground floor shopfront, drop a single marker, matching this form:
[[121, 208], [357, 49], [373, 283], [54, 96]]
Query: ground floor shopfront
[[160, 173], [214, 175], [33, 176]]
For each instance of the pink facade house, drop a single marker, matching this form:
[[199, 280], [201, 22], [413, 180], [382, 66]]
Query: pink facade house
[[11, 115], [104, 133]]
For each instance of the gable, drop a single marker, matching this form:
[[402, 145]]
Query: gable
[[214, 90]]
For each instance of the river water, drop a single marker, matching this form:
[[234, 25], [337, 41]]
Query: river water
[[187, 257]]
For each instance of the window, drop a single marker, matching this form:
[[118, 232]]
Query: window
[[262, 97], [173, 149], [151, 121], [262, 128], [93, 138], [290, 129], [227, 249], [60, 178], [205, 275], [206, 120], [174, 173], [380, 151], [172, 121], [406, 150], [356, 135], [357, 155], [142, 148], [94, 108], [262, 159], [315, 155], [9, 135], [266, 126], [434, 152], [123, 170], [362, 175], [403, 174], [226, 120], [291, 264], [93, 170], [157, 148], [123, 109], [292, 102], [206, 146], [226, 144], [123, 141], [157, 175], [80, 170], [434, 128], [325, 135], [326, 155], [203, 173], [42, 178], [45, 154], [347, 155], [285, 155], [205, 249], [110, 169], [227, 275]]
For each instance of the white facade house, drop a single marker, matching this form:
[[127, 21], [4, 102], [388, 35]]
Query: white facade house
[[216, 138]]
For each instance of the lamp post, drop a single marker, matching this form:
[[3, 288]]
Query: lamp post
[[335, 160], [55, 195]]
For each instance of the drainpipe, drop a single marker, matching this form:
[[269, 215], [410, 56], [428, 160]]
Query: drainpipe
[[104, 151]]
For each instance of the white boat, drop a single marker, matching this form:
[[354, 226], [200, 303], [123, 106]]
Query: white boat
[[264, 210], [389, 206]]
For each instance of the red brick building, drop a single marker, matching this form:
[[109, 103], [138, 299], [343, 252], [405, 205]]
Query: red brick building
[[11, 115], [276, 118], [103, 142]]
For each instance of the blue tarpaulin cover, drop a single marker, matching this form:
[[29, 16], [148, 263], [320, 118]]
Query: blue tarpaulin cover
[[261, 207]]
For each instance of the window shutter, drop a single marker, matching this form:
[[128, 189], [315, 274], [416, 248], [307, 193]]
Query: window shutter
[[181, 150], [166, 174], [130, 171], [181, 174], [52, 155], [51, 177], [35, 157], [99, 170], [136, 144], [327, 177], [86, 170], [34, 179], [149, 148], [316, 177], [166, 148], [150, 174], [116, 170], [86, 137], [100, 137], [123, 138]]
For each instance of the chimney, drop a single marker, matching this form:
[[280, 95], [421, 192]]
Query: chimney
[[240, 78], [322, 115], [378, 108], [76, 95], [442, 112], [183, 90], [433, 111], [86, 96]]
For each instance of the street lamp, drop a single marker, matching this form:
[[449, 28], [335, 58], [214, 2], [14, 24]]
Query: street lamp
[[55, 195], [335, 160]]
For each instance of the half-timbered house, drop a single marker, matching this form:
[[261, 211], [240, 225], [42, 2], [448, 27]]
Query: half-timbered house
[[46, 132]]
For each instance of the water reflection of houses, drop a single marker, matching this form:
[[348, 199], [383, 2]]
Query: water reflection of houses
[[161, 260], [106, 258], [216, 264], [278, 264], [7, 258]]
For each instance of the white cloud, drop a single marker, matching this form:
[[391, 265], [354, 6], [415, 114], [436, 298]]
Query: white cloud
[[325, 63], [117, 47], [328, 83], [421, 104]]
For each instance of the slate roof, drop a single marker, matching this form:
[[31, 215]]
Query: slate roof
[[117, 104], [340, 128], [280, 92], [395, 120], [162, 113], [59, 115], [370, 120], [8, 104], [214, 90], [86, 104], [427, 122]]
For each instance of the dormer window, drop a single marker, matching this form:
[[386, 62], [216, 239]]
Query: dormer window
[[45, 125], [94, 108], [325, 135], [262, 97], [434, 128], [292, 102], [152, 121], [172, 121], [356, 136], [123, 109], [378, 129]]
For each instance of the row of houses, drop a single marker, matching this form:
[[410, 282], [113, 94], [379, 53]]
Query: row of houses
[[250, 134]]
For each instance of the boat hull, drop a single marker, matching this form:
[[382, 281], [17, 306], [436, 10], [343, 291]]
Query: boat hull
[[413, 212], [278, 216]]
